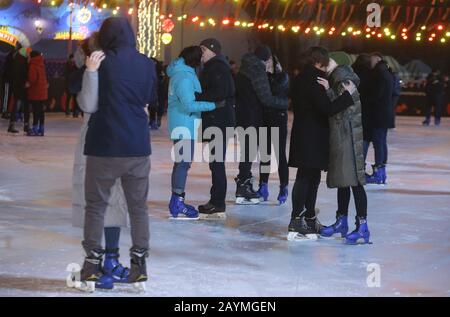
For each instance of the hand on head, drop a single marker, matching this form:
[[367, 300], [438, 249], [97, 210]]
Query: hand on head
[[94, 60]]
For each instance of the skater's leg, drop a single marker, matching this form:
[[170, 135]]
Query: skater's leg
[[34, 105], [219, 178], [378, 145], [112, 237], [99, 179], [313, 175], [182, 164], [135, 184], [385, 147], [283, 168], [264, 165], [366, 145], [26, 113], [360, 197], [246, 158], [343, 198], [299, 192]]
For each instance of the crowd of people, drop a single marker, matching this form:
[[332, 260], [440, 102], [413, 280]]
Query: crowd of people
[[338, 111], [26, 81]]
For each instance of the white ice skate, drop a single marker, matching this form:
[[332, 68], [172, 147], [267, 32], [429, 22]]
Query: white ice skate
[[246, 201], [296, 236], [213, 216]]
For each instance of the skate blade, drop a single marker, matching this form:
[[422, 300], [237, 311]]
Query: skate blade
[[140, 287], [360, 241], [295, 236], [243, 201], [183, 218], [87, 286], [215, 216], [335, 236]]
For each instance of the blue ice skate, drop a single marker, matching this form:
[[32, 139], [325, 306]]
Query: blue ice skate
[[339, 227], [361, 235], [180, 211]]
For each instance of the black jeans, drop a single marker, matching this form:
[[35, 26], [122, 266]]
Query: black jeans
[[360, 197], [248, 155], [219, 177], [38, 113], [304, 192], [279, 120], [439, 103]]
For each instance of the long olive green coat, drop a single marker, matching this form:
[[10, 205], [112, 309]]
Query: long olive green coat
[[346, 161]]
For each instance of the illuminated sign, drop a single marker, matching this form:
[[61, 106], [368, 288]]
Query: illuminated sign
[[77, 36], [8, 38]]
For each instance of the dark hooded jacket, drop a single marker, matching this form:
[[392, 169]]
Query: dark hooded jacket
[[253, 93], [381, 101], [217, 85], [312, 109], [346, 164], [127, 82]]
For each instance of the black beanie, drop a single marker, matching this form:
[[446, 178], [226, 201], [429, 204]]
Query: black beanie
[[263, 52], [213, 45]]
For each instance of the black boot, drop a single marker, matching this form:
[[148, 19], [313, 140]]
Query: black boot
[[209, 211], [245, 194], [12, 129]]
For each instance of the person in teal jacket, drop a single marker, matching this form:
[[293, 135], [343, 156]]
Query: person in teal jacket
[[184, 117]]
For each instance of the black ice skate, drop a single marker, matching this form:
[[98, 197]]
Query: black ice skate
[[209, 211], [304, 229], [138, 269], [245, 194], [12, 129], [91, 275]]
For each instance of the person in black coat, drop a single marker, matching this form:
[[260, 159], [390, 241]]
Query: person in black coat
[[253, 95], [18, 81], [276, 118], [435, 92], [217, 86], [309, 149], [362, 68], [382, 115]]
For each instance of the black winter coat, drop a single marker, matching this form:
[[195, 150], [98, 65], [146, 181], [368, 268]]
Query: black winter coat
[[310, 131], [217, 85], [364, 90], [19, 76], [253, 93], [381, 97]]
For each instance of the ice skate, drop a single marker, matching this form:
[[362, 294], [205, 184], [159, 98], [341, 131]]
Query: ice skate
[[263, 191], [378, 177], [361, 235], [209, 211], [181, 211], [91, 276], [40, 130], [304, 229], [245, 194], [283, 195], [12, 130], [340, 227], [138, 269], [113, 268]]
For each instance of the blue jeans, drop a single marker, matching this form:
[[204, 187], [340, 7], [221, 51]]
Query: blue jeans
[[182, 164], [379, 141]]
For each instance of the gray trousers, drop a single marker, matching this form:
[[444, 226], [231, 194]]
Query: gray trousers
[[101, 174]]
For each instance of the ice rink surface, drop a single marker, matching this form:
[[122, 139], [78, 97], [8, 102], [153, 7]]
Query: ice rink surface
[[246, 255]]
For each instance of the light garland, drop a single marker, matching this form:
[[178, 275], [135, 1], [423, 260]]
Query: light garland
[[149, 26], [437, 33]]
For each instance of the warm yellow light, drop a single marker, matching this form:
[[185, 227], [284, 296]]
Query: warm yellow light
[[166, 38]]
